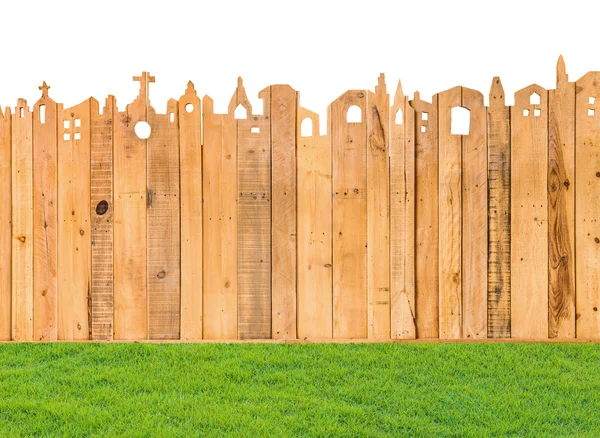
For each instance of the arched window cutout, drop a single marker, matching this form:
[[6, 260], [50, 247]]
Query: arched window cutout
[[534, 99], [306, 127], [240, 112], [460, 121], [399, 116], [354, 114]]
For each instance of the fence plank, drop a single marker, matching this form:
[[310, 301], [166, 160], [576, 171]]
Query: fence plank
[[284, 104], [378, 212], [587, 206], [529, 215], [254, 218], [45, 202], [190, 159], [101, 217], [402, 218], [163, 239], [498, 136], [426, 217], [450, 212], [474, 218], [5, 223], [315, 299], [349, 152], [220, 290], [561, 206]]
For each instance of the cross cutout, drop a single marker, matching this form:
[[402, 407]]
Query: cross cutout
[[144, 80], [44, 87]]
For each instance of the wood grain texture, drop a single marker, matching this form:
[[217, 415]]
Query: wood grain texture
[[74, 228], [587, 206], [190, 159], [498, 136], [5, 223], [450, 211], [349, 164], [402, 218], [474, 218], [101, 217], [163, 268], [314, 293], [45, 203], [254, 218], [220, 290], [426, 217], [284, 106], [378, 212], [529, 215], [561, 206]]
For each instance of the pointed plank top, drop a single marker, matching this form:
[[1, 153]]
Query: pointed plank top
[[497, 98], [561, 72]]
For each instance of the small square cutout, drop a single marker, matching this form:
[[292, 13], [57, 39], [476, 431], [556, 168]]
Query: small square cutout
[[537, 112], [592, 100], [67, 136], [77, 123], [67, 124], [255, 130], [423, 128], [77, 136], [591, 112], [425, 116], [525, 113]]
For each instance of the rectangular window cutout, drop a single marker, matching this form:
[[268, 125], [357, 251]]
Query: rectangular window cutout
[[591, 112], [67, 124], [423, 128], [592, 100], [77, 136], [171, 117], [77, 123], [42, 114], [537, 112], [255, 130], [67, 136], [424, 116], [525, 113]]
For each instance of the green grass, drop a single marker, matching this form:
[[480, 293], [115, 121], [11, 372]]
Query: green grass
[[300, 390]]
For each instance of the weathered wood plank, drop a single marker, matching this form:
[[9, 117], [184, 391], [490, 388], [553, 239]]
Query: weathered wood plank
[[498, 213], [426, 217], [349, 152], [5, 224], [529, 215], [190, 161], [163, 270], [45, 203], [284, 105], [561, 206], [402, 218], [378, 212], [101, 217]]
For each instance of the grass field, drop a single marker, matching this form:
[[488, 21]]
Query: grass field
[[300, 389]]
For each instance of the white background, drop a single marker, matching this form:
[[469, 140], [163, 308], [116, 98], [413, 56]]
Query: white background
[[321, 48]]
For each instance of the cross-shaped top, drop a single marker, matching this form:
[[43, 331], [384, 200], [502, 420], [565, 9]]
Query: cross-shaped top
[[144, 80], [44, 87]]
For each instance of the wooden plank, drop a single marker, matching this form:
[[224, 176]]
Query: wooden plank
[[5, 223], [254, 218], [426, 218], [498, 213], [529, 215], [587, 206], [74, 229], [349, 152], [220, 290], [378, 212], [450, 192], [22, 224], [190, 162], [315, 298], [101, 217], [284, 105], [561, 206], [163, 281], [130, 301], [45, 202], [402, 218], [474, 218]]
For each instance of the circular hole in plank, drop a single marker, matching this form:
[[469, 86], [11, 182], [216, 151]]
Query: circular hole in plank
[[142, 130], [189, 108]]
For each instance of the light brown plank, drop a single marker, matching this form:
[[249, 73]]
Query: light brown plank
[[101, 217], [402, 218], [219, 212], [378, 212], [5, 223], [426, 218], [529, 215], [474, 218], [284, 105], [163, 279], [190, 161], [349, 155], [499, 213], [587, 206], [315, 299], [561, 206], [45, 203]]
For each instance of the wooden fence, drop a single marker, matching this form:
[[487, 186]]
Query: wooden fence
[[391, 226]]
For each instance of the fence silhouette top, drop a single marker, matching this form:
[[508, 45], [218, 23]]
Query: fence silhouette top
[[407, 219]]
